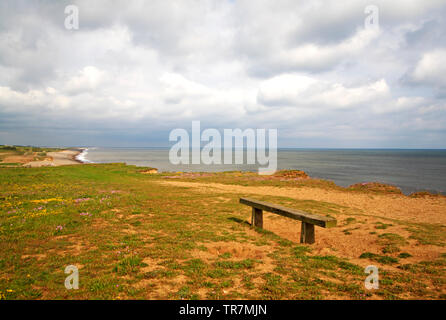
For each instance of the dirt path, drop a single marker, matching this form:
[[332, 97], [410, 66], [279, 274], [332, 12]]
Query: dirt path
[[422, 210]]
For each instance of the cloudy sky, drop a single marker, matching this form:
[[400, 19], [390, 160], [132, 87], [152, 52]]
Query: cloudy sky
[[135, 70]]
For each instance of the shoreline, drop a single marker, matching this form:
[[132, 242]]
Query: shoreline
[[75, 156], [59, 158], [412, 171], [80, 152]]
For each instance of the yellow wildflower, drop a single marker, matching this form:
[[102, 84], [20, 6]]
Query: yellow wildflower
[[47, 200]]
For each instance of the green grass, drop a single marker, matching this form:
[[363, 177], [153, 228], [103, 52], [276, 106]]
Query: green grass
[[244, 264], [380, 225], [428, 234], [5, 148], [391, 242], [379, 258], [128, 265]]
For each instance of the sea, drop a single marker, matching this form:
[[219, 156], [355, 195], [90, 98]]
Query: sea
[[411, 170]]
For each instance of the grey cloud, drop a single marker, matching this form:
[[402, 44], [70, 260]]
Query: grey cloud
[[135, 70]]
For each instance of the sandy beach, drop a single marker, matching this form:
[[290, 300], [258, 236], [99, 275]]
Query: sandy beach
[[60, 158]]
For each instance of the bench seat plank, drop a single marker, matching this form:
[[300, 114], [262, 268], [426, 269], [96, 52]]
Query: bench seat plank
[[321, 221]]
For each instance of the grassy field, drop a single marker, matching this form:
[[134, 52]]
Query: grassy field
[[133, 236]]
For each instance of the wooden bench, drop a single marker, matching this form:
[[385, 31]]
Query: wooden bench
[[308, 220]]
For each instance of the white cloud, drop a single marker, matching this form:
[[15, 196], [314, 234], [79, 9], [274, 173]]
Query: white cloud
[[87, 79], [318, 57], [399, 105], [284, 89], [340, 96], [431, 69], [304, 91]]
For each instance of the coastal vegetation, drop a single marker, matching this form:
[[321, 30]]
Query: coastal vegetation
[[13, 156], [134, 233]]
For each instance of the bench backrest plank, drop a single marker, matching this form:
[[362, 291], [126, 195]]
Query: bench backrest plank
[[321, 221]]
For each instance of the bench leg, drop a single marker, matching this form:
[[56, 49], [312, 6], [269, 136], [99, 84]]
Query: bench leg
[[307, 233], [257, 218]]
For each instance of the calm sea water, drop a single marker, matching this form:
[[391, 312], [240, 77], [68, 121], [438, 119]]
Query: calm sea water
[[411, 170]]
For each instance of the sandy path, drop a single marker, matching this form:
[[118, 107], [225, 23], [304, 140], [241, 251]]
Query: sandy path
[[60, 158], [424, 210]]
